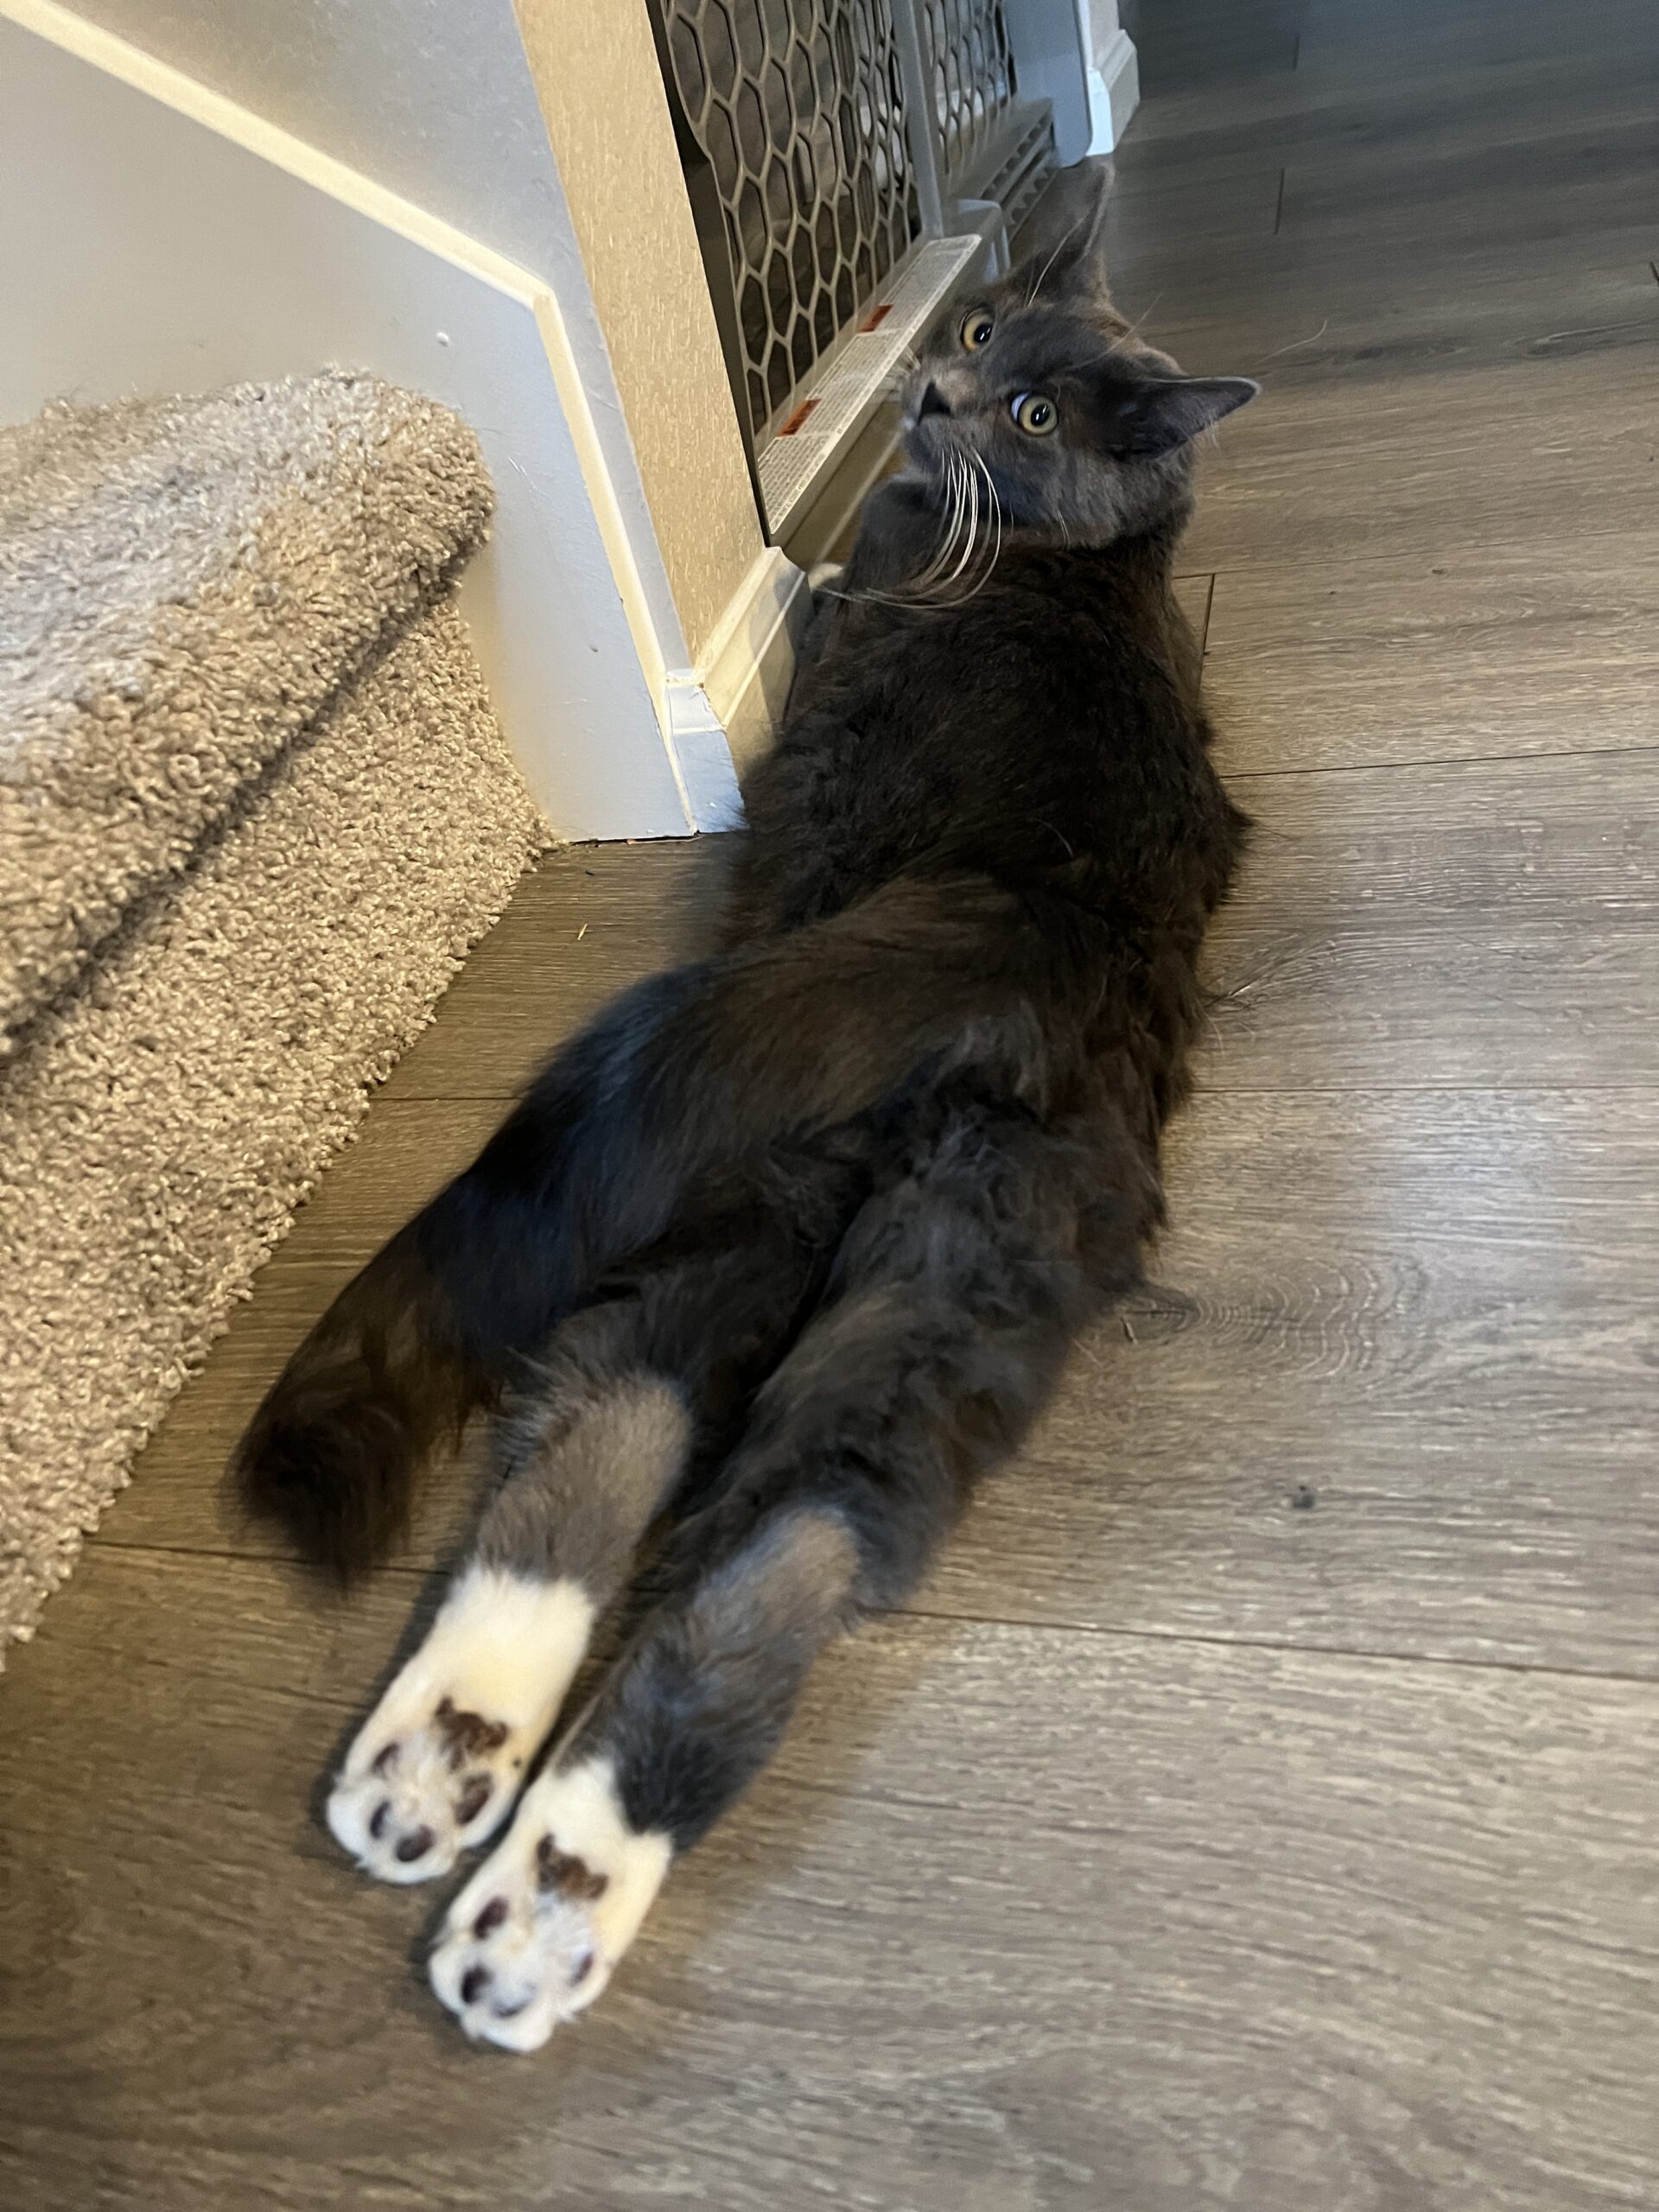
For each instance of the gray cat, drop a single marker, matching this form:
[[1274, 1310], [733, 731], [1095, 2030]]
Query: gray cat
[[784, 1251]]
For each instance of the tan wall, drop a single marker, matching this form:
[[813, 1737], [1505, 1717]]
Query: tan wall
[[595, 69]]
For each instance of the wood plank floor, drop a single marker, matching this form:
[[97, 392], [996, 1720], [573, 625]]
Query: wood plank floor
[[1259, 1807]]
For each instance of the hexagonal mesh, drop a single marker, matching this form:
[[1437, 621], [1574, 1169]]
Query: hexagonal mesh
[[796, 103], [966, 43]]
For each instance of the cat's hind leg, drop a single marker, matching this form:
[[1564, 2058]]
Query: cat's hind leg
[[437, 1765], [591, 1455], [688, 1717], [954, 1296]]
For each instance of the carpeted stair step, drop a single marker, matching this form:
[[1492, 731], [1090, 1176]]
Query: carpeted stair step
[[254, 808]]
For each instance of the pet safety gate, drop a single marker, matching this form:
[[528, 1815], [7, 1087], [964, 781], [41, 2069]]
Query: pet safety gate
[[845, 160]]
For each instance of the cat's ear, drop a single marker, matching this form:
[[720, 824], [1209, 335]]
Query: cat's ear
[[1068, 259], [1166, 411]]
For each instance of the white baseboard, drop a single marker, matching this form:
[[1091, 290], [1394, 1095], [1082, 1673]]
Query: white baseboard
[[1113, 93], [722, 715]]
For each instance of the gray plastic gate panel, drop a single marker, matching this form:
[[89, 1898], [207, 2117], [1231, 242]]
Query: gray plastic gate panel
[[845, 159], [795, 106]]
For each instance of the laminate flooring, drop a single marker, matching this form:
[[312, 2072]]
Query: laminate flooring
[[1259, 1807]]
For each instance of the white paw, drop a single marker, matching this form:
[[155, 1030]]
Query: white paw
[[537, 1932], [437, 1766]]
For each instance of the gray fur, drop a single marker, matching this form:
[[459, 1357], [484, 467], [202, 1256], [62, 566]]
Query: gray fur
[[696, 1707], [588, 1461], [1120, 461]]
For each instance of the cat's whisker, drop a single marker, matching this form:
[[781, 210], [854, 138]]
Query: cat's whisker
[[936, 568], [1065, 238], [929, 566], [1300, 342], [972, 482], [995, 505], [932, 566], [1138, 325], [994, 536], [957, 470]]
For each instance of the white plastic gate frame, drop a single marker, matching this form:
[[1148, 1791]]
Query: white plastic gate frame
[[846, 159]]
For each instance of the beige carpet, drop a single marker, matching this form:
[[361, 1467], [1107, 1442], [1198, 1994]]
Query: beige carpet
[[253, 808]]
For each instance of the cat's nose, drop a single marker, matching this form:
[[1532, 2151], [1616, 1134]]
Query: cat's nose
[[932, 402]]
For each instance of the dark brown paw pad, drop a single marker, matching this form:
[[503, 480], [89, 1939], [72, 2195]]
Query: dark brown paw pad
[[414, 1846], [571, 1877], [474, 1798], [491, 1918], [466, 1735]]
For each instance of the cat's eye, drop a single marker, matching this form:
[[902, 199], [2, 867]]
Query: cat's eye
[[977, 325], [1036, 414]]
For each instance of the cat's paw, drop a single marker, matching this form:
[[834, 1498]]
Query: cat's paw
[[439, 1761], [536, 1934]]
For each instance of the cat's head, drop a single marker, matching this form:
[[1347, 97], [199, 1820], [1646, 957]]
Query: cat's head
[[1037, 384]]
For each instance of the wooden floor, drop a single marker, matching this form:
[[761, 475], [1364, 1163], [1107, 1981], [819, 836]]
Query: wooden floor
[[1260, 1808]]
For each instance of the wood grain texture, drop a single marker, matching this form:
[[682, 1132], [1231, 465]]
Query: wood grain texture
[[1326, 112], [1558, 183], [1257, 1808], [1394, 1391], [1141, 226], [1193, 48], [1547, 452], [1379, 41], [1021, 1919], [1553, 838], [1193, 594], [1354, 662], [1317, 312]]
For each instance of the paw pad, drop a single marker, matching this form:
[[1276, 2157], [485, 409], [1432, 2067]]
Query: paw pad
[[536, 1934], [408, 1811], [572, 1877], [443, 1756], [467, 1735], [474, 1798]]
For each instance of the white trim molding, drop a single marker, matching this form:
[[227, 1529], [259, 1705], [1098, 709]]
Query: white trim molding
[[722, 716], [1113, 93], [1114, 72]]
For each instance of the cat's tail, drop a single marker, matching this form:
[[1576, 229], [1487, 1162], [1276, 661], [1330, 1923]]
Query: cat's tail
[[703, 1064]]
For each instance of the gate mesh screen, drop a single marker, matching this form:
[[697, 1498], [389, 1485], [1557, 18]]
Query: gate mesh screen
[[967, 47], [796, 105]]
